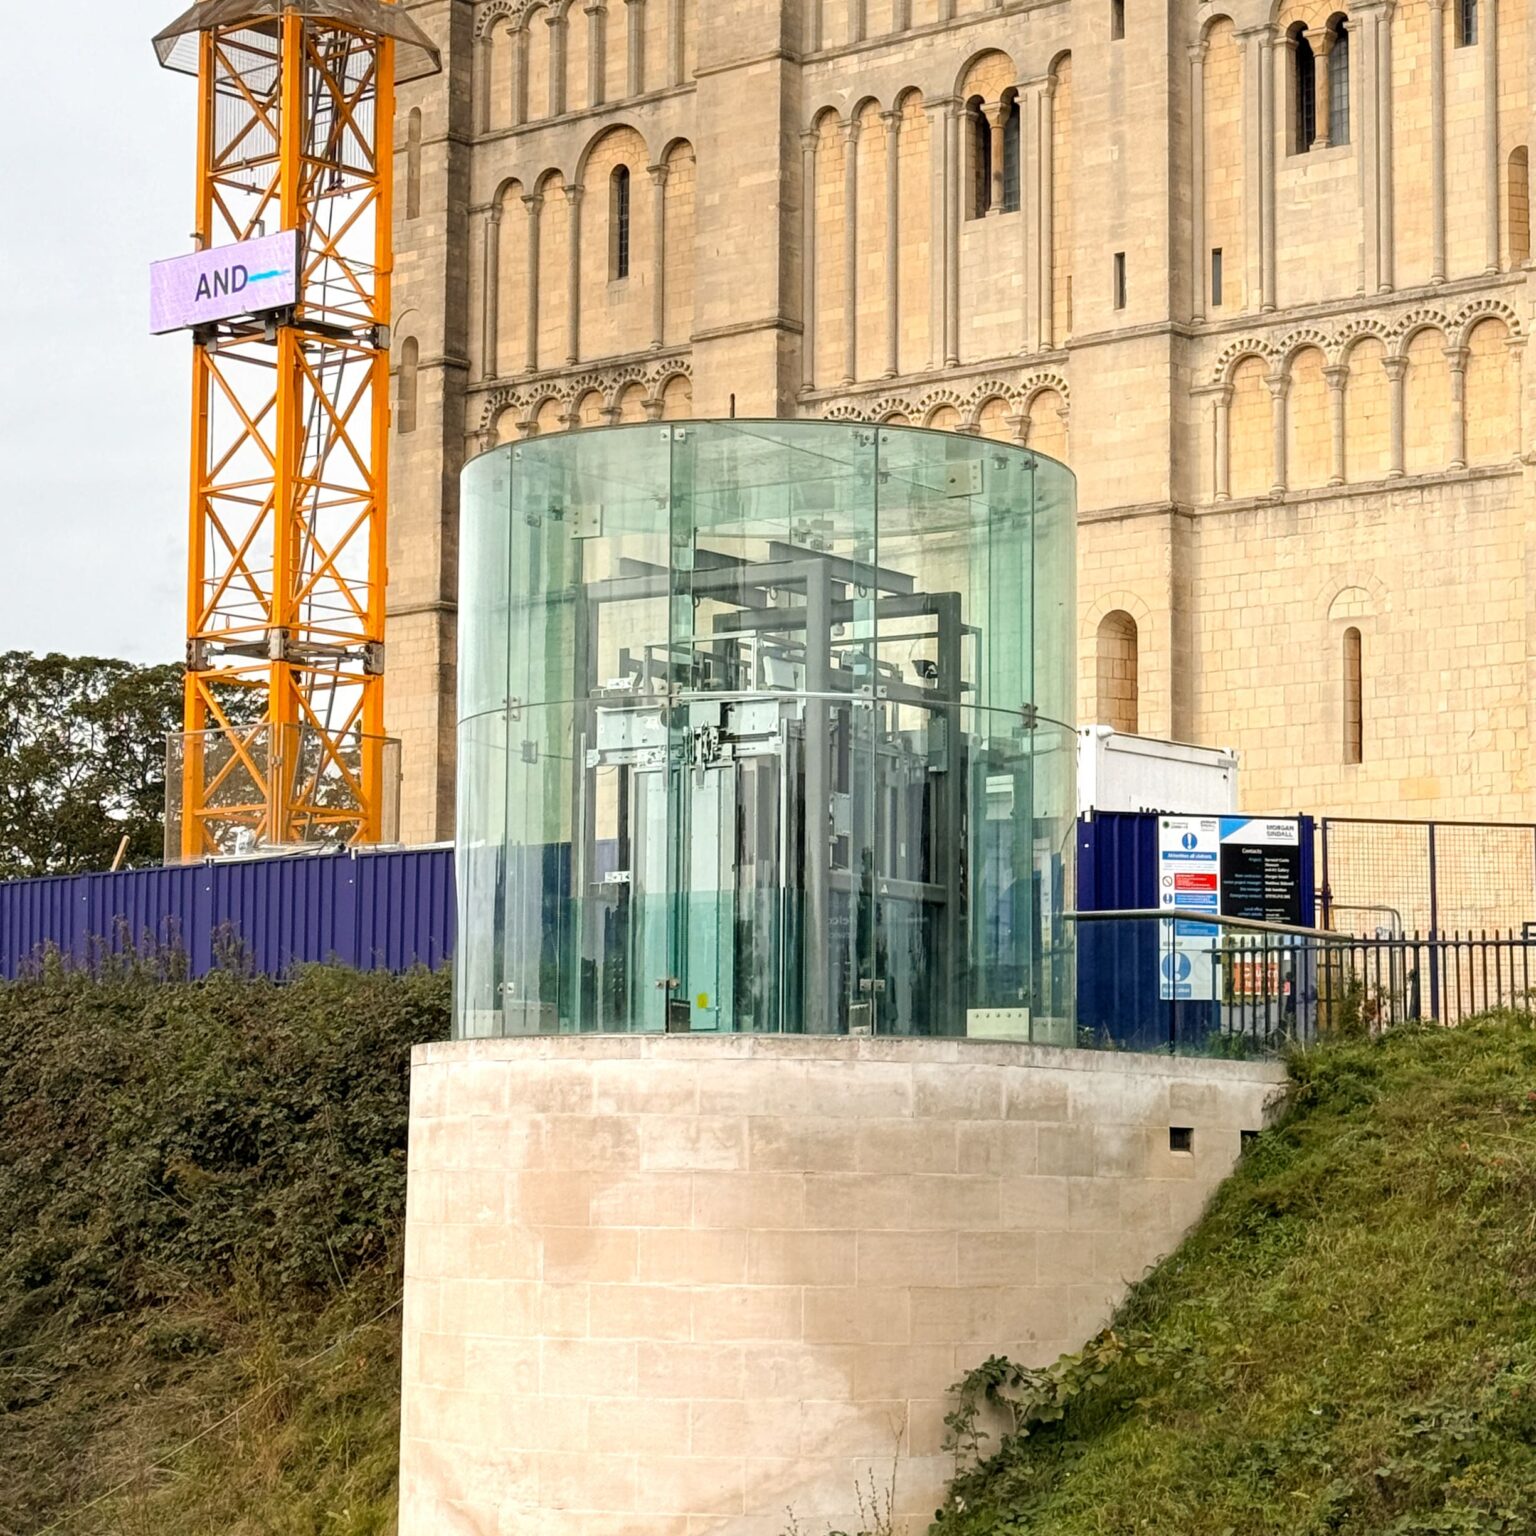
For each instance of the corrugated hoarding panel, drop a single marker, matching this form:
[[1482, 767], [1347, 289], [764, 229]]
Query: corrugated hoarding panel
[[387, 910]]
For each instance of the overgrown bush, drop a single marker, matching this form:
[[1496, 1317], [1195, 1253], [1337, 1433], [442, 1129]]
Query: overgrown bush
[[194, 1177]]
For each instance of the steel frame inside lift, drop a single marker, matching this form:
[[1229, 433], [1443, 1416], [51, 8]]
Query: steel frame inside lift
[[716, 785], [284, 705]]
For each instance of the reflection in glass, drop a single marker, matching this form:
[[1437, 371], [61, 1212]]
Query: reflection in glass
[[765, 726]]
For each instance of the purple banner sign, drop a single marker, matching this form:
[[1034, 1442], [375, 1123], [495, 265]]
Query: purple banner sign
[[230, 280]]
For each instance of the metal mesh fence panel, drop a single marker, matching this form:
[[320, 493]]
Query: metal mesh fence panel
[[1387, 878]]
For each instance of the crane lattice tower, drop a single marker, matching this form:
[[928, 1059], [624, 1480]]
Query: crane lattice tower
[[283, 738]]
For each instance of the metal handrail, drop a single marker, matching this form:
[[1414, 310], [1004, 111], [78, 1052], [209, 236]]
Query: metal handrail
[[1251, 924]]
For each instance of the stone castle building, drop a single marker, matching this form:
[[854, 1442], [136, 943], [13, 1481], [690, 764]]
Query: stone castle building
[[1258, 273]]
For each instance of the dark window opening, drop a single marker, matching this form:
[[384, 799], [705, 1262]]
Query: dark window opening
[[1305, 130], [1116, 20], [1119, 279], [981, 158], [1181, 1138], [1216, 277], [621, 221], [1466, 23], [1338, 84]]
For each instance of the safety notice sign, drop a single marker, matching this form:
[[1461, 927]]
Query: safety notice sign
[[1189, 888], [1220, 866]]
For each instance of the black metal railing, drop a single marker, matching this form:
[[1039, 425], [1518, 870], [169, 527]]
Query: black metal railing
[[1232, 987]]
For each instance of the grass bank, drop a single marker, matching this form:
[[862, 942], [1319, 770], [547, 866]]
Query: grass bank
[[1346, 1344]]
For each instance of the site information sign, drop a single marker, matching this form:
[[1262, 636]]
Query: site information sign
[[1261, 869], [230, 280], [1226, 866]]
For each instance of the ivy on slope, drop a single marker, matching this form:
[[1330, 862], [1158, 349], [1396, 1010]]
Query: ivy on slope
[[202, 1188], [1345, 1344]]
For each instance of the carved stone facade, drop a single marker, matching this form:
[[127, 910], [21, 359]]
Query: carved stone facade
[[1257, 273]]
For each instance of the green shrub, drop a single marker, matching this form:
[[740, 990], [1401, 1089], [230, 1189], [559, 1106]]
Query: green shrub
[[201, 1183]]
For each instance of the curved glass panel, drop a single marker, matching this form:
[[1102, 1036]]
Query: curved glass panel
[[766, 726]]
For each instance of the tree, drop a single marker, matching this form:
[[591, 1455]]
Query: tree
[[82, 761]]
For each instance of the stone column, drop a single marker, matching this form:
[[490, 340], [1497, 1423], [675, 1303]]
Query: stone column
[[675, 49], [1516, 348], [1198, 257], [573, 276], [1385, 279], [1437, 140], [1488, 20], [994, 114], [1268, 153], [1279, 388], [855, 21], [1397, 371], [902, 15], [658, 175], [491, 277], [892, 121], [484, 60], [1223, 465], [1321, 39], [1047, 323], [520, 76], [597, 54], [808, 142], [1255, 145], [1337, 375], [556, 24], [952, 196], [851, 248], [1362, 65], [813, 25], [1457, 358], [534, 204], [635, 42], [938, 223]]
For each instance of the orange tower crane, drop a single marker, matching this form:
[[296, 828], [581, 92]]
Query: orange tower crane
[[283, 742]]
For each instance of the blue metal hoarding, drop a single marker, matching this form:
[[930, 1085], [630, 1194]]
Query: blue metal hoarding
[[376, 911], [1118, 996]]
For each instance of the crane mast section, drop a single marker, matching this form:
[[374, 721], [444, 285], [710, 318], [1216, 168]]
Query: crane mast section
[[283, 740]]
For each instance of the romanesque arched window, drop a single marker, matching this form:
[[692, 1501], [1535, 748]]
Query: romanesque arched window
[[1518, 206], [413, 164], [1338, 81], [1118, 667], [1354, 699], [1303, 91], [618, 222], [405, 385]]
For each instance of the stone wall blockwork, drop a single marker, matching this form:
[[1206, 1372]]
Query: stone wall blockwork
[[661, 1284], [804, 196]]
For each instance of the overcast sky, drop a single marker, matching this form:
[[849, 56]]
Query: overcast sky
[[96, 173]]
